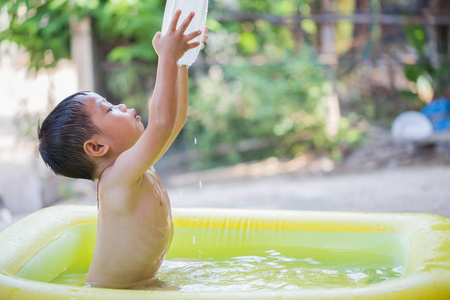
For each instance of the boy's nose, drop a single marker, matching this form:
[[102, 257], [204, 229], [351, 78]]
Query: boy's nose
[[122, 107]]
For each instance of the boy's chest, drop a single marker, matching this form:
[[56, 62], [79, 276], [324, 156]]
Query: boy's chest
[[153, 194]]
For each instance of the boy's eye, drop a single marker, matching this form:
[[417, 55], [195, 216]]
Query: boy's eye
[[110, 109]]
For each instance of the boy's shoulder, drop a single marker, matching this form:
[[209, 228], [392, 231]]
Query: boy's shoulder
[[112, 177], [120, 196]]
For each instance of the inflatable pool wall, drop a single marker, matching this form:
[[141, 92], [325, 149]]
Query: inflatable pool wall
[[44, 244]]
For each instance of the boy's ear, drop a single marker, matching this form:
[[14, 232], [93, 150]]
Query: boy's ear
[[95, 149]]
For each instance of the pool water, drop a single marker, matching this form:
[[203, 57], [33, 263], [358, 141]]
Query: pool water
[[290, 260], [270, 271]]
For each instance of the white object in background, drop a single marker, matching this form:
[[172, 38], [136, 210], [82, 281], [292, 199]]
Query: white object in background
[[200, 7], [412, 125], [5, 214]]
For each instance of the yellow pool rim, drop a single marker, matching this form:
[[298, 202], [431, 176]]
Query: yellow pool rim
[[427, 276]]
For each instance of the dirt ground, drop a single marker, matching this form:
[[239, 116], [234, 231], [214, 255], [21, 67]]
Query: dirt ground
[[423, 189], [383, 175]]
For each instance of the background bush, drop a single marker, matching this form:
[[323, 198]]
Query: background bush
[[256, 91]]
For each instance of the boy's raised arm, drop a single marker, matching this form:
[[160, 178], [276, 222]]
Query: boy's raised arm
[[164, 104], [183, 97]]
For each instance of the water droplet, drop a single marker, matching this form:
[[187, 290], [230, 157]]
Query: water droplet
[[200, 184], [193, 239], [195, 140]]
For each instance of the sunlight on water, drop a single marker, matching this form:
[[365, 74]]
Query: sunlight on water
[[269, 271]]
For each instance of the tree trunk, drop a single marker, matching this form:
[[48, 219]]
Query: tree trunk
[[82, 50], [327, 34], [328, 52]]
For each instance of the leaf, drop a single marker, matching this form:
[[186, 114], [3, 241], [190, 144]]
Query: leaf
[[412, 72]]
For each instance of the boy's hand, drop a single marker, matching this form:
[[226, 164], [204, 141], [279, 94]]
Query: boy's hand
[[205, 37], [175, 43]]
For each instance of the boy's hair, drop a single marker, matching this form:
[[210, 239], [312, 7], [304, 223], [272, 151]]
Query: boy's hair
[[62, 136]]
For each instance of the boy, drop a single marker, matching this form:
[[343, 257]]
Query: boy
[[87, 137]]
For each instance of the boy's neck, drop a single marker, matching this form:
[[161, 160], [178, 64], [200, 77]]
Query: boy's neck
[[102, 165]]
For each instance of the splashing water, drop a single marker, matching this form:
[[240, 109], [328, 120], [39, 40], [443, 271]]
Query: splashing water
[[269, 271]]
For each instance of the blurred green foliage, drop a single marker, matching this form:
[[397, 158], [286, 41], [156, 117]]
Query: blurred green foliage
[[426, 71], [42, 29], [277, 107], [254, 95], [124, 27]]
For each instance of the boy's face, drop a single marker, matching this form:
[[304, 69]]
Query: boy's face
[[120, 127]]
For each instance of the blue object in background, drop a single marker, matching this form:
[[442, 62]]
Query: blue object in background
[[438, 111]]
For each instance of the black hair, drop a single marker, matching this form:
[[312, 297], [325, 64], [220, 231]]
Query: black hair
[[62, 136]]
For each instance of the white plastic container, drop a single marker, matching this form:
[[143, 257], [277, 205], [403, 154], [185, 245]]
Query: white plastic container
[[411, 125], [200, 7]]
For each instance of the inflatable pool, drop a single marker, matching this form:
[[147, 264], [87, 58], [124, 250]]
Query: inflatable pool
[[241, 254]]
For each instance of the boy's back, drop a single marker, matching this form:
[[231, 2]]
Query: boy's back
[[134, 232]]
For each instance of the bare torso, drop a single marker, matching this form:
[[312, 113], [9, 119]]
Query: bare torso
[[134, 232]]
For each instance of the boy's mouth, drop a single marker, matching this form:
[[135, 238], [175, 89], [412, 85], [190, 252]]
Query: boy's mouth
[[135, 115]]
